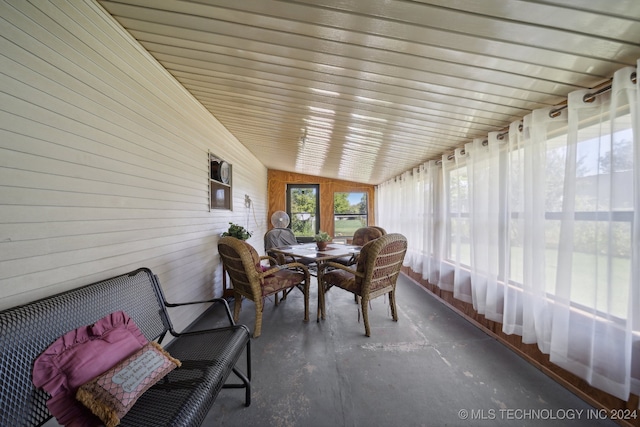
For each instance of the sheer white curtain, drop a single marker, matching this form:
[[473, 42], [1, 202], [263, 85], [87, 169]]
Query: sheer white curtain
[[412, 218], [634, 301], [486, 169], [433, 229], [541, 231], [454, 248], [392, 215], [388, 209], [460, 221], [593, 306], [533, 185]]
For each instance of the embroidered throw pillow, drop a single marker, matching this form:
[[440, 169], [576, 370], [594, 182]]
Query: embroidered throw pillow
[[110, 395]]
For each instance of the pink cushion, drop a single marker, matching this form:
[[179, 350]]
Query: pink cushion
[[79, 356]]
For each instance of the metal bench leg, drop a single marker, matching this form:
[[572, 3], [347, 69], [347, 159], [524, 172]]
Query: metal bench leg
[[246, 379]]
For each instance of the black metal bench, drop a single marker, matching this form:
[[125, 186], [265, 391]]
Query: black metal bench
[[208, 357]]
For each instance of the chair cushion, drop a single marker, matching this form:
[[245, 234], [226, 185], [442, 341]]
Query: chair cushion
[[279, 280], [343, 279]]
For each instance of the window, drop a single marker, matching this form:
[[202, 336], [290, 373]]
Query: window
[[349, 213], [596, 214], [219, 183], [594, 222], [303, 207]]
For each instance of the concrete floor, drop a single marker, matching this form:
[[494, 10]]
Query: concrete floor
[[431, 368]]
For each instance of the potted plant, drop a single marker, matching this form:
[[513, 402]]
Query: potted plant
[[322, 240], [237, 231]]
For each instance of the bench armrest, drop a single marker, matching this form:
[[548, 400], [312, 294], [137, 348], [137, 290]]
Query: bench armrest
[[213, 300]]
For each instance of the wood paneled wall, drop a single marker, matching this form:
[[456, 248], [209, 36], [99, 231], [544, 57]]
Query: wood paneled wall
[[277, 192]]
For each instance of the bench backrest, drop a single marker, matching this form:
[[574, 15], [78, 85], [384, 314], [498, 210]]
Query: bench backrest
[[27, 330]]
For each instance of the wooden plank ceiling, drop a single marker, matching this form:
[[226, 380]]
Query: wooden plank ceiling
[[363, 90]]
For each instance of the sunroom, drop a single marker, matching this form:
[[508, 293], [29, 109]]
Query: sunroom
[[500, 138]]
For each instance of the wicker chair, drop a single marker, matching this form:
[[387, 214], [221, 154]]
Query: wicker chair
[[252, 281], [382, 230], [360, 237], [375, 274], [277, 237]]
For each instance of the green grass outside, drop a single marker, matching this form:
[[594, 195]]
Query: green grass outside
[[346, 227], [590, 284]]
